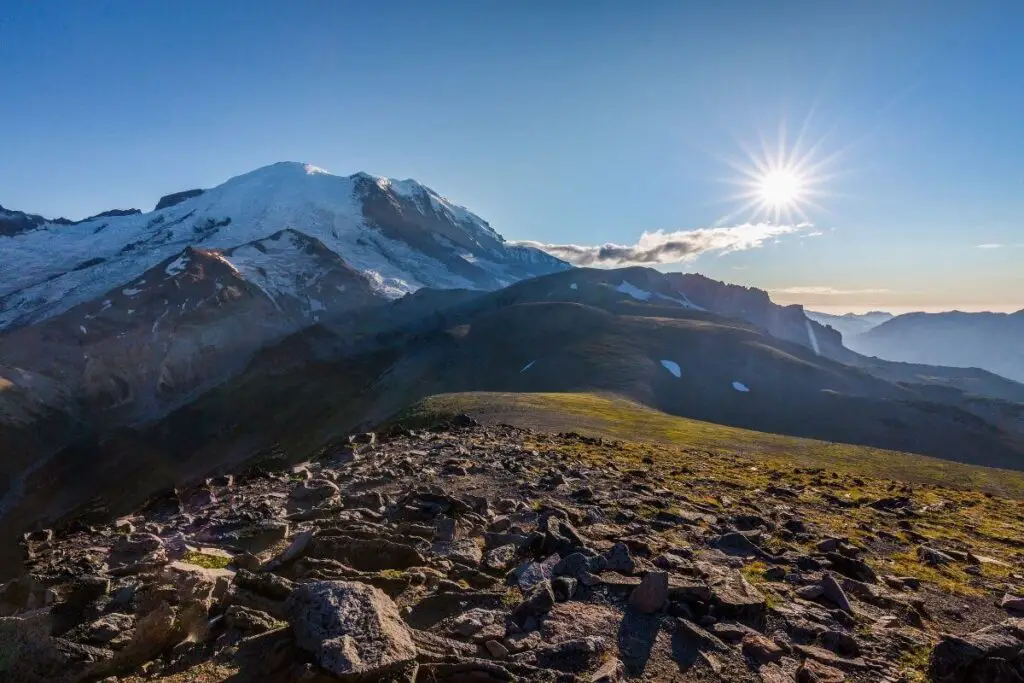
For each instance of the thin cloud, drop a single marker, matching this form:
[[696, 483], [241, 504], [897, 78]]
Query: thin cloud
[[996, 245], [827, 291], [662, 247]]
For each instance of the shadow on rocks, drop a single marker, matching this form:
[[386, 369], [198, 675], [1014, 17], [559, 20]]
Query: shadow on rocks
[[636, 637]]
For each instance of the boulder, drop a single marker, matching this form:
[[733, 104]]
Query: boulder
[[994, 654], [529, 574], [651, 594], [500, 558], [352, 629], [620, 560], [538, 602], [761, 649], [735, 596], [835, 594]]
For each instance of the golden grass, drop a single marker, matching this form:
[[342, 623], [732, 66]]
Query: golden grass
[[617, 418]]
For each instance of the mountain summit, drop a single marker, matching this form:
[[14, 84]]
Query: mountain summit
[[132, 313], [399, 234]]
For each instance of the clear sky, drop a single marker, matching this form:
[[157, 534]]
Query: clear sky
[[565, 122]]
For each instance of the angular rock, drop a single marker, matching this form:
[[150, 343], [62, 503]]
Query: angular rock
[[249, 620], [835, 594], [761, 649], [829, 658], [530, 574], [811, 671], [500, 558], [690, 630], [537, 603], [931, 556], [852, 567], [564, 587], [497, 650], [352, 629], [620, 560], [195, 582], [612, 671], [735, 596], [1012, 603], [994, 654], [368, 555], [298, 546], [651, 594], [576, 564], [812, 592]]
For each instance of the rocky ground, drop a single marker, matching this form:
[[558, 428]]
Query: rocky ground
[[478, 554]]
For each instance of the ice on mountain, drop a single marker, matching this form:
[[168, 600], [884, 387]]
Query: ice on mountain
[[527, 366], [82, 328], [635, 292], [684, 302], [672, 367], [741, 387], [131, 291], [574, 286]]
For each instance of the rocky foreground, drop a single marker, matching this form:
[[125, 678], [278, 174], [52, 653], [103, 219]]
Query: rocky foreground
[[478, 554]]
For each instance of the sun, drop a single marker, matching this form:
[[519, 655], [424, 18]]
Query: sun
[[779, 182], [781, 188]]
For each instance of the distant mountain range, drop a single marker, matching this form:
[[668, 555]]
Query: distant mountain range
[[992, 341], [851, 324], [288, 306]]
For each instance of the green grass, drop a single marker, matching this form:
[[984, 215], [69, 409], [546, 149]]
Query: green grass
[[616, 418], [209, 561]]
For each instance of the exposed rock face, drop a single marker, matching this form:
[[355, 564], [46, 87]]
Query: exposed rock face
[[169, 200], [755, 306], [352, 629]]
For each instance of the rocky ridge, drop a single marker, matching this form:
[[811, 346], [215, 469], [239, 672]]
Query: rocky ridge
[[473, 553]]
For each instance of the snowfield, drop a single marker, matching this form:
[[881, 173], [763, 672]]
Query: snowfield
[[49, 270]]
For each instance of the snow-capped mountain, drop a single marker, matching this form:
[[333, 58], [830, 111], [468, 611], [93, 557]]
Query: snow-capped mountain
[[400, 234], [132, 313]]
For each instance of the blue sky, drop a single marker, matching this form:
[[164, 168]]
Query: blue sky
[[563, 123]]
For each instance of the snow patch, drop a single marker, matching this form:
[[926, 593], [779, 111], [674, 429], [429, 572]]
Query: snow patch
[[635, 292], [574, 286], [176, 266], [813, 337], [82, 328], [741, 387], [527, 366], [672, 367], [130, 291]]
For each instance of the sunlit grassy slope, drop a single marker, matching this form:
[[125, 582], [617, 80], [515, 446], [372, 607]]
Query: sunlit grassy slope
[[615, 418]]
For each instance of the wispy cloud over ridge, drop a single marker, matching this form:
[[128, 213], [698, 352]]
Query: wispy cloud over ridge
[[662, 247]]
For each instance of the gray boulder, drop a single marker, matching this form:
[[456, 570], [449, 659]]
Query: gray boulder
[[354, 630]]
